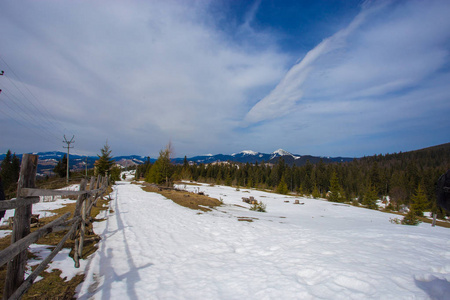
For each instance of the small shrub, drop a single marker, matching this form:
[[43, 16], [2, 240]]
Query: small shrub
[[395, 221], [410, 218], [261, 207]]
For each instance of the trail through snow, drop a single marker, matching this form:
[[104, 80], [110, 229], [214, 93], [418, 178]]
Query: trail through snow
[[151, 248]]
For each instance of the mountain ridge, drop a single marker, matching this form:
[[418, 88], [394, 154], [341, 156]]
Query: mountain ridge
[[49, 159]]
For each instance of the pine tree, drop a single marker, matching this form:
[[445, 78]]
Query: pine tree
[[6, 172], [161, 171], [9, 173], [419, 201], [335, 189], [370, 197], [282, 187], [315, 192], [410, 218], [61, 167], [15, 168], [105, 161]]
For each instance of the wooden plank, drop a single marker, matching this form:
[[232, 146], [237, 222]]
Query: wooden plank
[[16, 266], [30, 279], [28, 192], [15, 203], [80, 201], [12, 250]]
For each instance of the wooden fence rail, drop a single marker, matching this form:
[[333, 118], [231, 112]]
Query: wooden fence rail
[[16, 254]]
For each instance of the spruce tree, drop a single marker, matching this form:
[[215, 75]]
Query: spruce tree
[[335, 189], [315, 192], [105, 161], [61, 167], [410, 218], [15, 168], [370, 197], [419, 201], [6, 171], [282, 186], [161, 171]]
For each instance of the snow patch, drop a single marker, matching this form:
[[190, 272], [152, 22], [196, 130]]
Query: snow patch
[[246, 152]]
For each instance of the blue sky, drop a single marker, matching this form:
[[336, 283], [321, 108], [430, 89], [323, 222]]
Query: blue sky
[[332, 78]]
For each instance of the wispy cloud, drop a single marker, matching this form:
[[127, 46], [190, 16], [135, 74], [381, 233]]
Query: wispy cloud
[[368, 79]]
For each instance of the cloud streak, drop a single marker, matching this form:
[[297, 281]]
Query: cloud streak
[[368, 79]]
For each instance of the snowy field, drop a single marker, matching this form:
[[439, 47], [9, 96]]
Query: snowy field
[[152, 248]]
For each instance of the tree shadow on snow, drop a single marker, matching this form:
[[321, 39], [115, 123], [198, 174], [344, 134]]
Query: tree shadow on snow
[[436, 288], [107, 267]]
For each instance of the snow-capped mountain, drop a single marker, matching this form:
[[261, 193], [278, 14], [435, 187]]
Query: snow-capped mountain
[[250, 156], [48, 160]]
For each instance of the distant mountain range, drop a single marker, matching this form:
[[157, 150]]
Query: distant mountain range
[[48, 160], [249, 156]]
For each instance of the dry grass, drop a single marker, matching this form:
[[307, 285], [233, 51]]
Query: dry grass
[[187, 183], [184, 198], [53, 286]]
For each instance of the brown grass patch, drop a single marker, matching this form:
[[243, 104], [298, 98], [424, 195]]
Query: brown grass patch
[[187, 183], [184, 198], [246, 219]]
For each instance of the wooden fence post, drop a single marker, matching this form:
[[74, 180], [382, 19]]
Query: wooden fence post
[[80, 201], [22, 218]]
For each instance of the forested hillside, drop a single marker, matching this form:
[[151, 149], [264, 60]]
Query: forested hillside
[[399, 176]]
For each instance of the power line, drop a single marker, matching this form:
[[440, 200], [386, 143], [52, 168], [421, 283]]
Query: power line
[[48, 115], [37, 133], [23, 109], [44, 126]]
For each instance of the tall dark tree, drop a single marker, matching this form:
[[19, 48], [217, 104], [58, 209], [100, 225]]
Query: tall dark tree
[[336, 191], [9, 172], [61, 167], [162, 170], [6, 171], [105, 161], [419, 201]]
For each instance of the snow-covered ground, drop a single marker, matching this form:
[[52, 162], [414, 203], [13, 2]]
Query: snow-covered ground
[[151, 248]]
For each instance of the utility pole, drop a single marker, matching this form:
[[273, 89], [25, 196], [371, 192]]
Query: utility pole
[[86, 166], [68, 147]]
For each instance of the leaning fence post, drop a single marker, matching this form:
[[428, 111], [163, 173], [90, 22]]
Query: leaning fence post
[[21, 228], [77, 213]]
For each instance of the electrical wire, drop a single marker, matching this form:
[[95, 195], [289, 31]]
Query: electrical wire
[[29, 116], [47, 117]]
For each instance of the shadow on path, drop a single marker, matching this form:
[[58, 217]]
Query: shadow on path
[[436, 288], [106, 262]]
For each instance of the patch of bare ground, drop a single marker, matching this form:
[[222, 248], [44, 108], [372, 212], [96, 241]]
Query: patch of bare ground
[[246, 219], [184, 198], [188, 183]]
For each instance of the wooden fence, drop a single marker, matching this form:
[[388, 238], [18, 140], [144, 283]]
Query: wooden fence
[[15, 255]]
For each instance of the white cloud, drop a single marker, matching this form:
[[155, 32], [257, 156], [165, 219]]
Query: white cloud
[[366, 80], [138, 72]]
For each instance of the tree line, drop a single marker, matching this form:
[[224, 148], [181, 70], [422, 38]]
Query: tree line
[[9, 174], [407, 178]]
